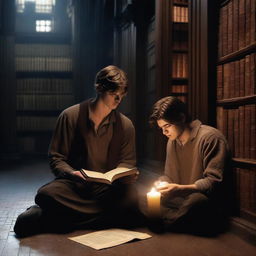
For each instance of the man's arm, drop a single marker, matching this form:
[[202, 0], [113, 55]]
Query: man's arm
[[214, 157], [60, 147]]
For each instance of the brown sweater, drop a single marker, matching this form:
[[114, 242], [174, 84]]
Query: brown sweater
[[76, 145], [201, 160]]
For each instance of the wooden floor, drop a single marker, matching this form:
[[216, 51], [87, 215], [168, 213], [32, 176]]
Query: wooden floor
[[18, 185]]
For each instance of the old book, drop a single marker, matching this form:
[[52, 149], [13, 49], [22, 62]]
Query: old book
[[253, 132], [236, 131], [226, 81], [110, 176], [247, 87], [241, 77], [247, 129], [225, 31], [241, 32], [219, 82], [235, 24], [230, 26], [241, 131]]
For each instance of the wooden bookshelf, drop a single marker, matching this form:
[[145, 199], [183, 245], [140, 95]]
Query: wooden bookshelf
[[44, 80], [236, 97], [179, 49]]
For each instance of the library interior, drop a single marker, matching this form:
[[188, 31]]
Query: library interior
[[202, 52]]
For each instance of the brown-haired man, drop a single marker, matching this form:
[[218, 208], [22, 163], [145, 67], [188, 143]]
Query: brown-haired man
[[196, 163], [91, 135]]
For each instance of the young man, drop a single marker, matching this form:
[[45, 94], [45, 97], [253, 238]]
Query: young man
[[196, 162], [91, 135]]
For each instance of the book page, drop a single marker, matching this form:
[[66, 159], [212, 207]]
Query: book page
[[109, 175], [93, 174], [108, 238]]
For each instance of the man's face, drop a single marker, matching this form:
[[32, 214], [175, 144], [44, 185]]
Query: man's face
[[171, 131], [113, 99]]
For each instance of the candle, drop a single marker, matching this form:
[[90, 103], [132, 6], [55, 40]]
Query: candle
[[153, 199]]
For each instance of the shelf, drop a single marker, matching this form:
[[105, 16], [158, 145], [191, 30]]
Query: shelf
[[243, 163], [238, 54], [238, 101], [38, 112], [46, 74], [179, 79], [179, 93], [42, 38], [180, 50], [180, 26], [175, 3]]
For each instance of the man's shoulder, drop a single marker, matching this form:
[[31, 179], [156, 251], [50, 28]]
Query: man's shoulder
[[126, 122], [71, 110], [210, 133]]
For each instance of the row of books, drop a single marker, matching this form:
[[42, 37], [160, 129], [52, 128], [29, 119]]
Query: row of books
[[44, 86], [245, 195], [239, 127], [36, 123], [179, 88], [180, 65], [237, 26], [57, 64], [43, 50], [180, 14], [237, 78], [44, 102]]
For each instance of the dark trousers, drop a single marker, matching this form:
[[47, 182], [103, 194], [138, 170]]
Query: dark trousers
[[195, 213], [79, 204]]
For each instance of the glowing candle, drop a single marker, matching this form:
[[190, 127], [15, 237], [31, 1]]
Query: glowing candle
[[153, 199]]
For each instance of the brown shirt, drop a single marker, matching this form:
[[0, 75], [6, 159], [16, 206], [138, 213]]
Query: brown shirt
[[98, 143], [67, 152], [201, 160]]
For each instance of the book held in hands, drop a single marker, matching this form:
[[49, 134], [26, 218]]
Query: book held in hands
[[110, 176]]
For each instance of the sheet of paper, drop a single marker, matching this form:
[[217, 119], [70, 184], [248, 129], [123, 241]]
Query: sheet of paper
[[108, 238]]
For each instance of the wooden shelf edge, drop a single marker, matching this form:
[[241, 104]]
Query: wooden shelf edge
[[243, 162], [176, 3], [238, 54], [237, 101]]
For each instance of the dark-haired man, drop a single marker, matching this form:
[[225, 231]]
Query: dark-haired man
[[196, 160], [91, 135]]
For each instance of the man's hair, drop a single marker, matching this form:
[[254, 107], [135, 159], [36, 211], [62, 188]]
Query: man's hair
[[111, 78], [170, 109]]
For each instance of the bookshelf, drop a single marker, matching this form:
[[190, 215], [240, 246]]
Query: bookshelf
[[179, 49], [44, 88], [236, 97]]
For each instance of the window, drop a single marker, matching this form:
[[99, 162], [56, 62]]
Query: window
[[41, 6], [43, 25], [44, 6]]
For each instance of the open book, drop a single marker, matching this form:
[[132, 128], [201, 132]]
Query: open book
[[109, 176]]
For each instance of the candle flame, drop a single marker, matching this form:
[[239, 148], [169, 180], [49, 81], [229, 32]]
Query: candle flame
[[153, 190]]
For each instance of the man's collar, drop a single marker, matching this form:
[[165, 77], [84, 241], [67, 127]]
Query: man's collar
[[195, 126]]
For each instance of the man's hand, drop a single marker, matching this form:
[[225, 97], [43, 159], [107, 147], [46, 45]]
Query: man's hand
[[78, 175], [173, 189]]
